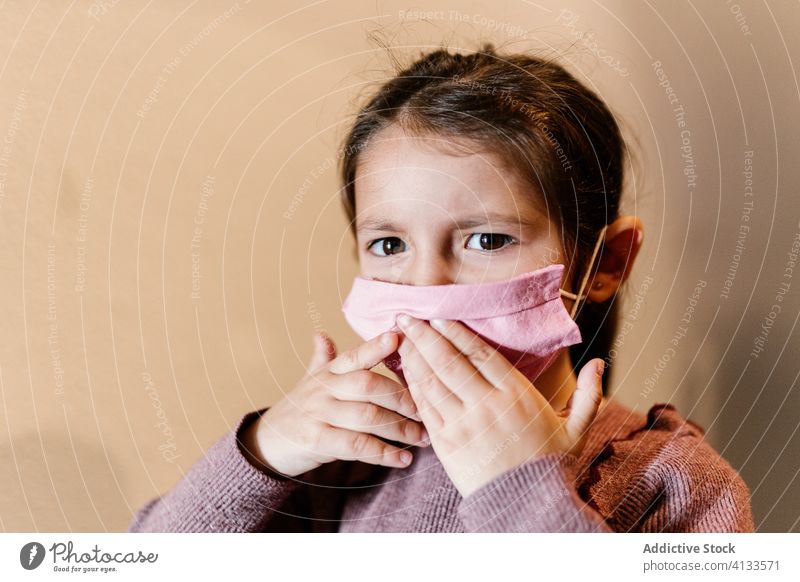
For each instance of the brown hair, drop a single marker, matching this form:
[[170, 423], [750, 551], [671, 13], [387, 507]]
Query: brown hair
[[555, 132]]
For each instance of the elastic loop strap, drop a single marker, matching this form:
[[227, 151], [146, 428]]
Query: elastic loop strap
[[585, 276]]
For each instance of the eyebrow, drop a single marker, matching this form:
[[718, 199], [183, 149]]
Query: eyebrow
[[381, 225]]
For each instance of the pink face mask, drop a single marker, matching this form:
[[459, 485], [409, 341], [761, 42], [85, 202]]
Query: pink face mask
[[523, 318]]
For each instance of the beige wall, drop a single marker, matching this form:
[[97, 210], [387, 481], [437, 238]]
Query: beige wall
[[125, 125]]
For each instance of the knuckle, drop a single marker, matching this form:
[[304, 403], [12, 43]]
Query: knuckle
[[360, 444], [409, 429], [311, 438], [482, 353], [334, 386], [370, 414], [407, 401], [427, 378], [350, 358], [316, 390], [348, 385], [320, 383], [366, 382]]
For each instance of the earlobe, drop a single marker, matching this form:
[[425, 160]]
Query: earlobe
[[602, 290]]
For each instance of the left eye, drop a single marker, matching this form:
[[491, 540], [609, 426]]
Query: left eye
[[488, 241]]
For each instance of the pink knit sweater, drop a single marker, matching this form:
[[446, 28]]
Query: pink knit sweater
[[635, 474]]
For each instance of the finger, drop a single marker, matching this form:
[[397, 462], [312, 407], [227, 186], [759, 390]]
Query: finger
[[373, 419], [585, 401], [324, 352], [349, 445], [491, 364], [438, 400], [367, 355], [431, 418], [368, 386], [453, 368]]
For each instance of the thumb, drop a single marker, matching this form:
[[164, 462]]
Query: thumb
[[585, 401], [324, 352]]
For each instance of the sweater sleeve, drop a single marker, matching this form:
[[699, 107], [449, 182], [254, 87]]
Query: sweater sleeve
[[537, 496], [222, 492]]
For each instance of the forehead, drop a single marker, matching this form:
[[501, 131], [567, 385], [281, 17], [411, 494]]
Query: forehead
[[398, 170]]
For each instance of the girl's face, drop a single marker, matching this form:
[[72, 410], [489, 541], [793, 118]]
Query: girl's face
[[426, 217]]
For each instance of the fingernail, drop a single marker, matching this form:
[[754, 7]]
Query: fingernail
[[601, 366], [403, 320], [405, 457], [438, 324], [386, 340], [425, 438]]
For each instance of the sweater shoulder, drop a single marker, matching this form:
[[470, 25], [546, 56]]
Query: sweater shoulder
[[640, 462], [660, 437]]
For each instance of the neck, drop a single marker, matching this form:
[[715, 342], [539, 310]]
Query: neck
[[558, 381]]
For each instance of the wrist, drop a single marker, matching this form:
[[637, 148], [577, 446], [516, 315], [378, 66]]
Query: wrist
[[253, 452]]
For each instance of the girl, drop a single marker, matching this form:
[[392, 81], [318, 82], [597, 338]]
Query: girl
[[480, 189]]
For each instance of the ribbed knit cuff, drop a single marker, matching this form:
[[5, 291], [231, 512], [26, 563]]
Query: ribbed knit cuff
[[537, 496], [221, 492]]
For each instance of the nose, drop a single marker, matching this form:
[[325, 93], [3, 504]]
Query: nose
[[431, 269]]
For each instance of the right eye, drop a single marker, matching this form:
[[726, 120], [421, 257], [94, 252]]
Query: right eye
[[387, 246]]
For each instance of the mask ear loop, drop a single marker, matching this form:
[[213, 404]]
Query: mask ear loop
[[585, 276]]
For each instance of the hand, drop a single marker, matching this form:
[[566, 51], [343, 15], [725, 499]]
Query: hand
[[484, 417], [335, 410]]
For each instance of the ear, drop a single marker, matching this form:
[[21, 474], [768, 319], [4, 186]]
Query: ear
[[621, 244]]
